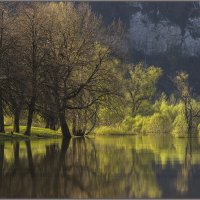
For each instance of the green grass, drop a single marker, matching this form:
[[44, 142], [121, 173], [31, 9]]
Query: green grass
[[109, 130], [36, 132]]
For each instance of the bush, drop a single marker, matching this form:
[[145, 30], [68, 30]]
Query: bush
[[127, 124], [164, 117], [180, 128], [158, 123], [108, 130]]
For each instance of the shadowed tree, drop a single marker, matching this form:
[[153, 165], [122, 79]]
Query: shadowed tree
[[60, 63], [79, 61], [6, 43], [31, 21], [15, 88]]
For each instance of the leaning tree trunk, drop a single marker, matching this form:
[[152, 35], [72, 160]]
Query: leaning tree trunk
[[16, 128], [30, 117], [64, 126], [2, 130]]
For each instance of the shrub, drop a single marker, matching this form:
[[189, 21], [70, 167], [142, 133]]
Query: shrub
[[180, 128]]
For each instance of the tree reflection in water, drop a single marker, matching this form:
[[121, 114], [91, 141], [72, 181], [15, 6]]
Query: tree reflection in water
[[93, 168], [183, 175]]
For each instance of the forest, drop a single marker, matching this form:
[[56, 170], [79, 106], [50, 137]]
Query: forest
[[64, 71]]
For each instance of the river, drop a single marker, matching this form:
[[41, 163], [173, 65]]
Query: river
[[101, 167]]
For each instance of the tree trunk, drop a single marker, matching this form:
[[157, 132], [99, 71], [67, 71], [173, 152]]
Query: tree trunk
[[47, 124], [188, 116], [30, 117], [64, 126], [16, 122], [2, 130], [1, 163], [74, 125], [52, 124]]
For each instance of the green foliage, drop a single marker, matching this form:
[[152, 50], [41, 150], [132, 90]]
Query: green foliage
[[198, 129], [165, 117], [146, 108], [108, 130], [112, 113], [8, 120], [144, 79], [127, 124], [182, 84], [180, 126], [156, 124], [142, 85]]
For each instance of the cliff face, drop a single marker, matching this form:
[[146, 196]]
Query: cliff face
[[153, 32], [157, 27], [166, 34]]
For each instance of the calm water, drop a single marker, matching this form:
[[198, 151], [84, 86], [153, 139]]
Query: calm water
[[105, 167]]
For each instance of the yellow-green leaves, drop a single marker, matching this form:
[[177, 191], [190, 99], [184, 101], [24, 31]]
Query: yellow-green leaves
[[142, 85]]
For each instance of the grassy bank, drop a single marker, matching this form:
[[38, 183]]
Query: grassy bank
[[37, 132], [109, 130]]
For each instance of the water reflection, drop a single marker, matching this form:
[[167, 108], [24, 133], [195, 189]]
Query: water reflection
[[104, 167], [183, 175]]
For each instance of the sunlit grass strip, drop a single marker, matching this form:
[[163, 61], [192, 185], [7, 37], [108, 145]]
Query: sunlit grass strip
[[108, 130], [36, 132]]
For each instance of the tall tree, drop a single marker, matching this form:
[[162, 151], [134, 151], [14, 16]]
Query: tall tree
[[7, 44], [15, 85], [31, 21], [141, 85], [79, 60]]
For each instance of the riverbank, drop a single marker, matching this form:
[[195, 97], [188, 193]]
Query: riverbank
[[110, 130], [36, 133]]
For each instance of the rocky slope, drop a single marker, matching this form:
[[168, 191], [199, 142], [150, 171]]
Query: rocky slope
[[166, 34], [153, 32]]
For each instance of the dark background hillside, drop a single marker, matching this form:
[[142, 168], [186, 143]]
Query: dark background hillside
[[183, 20]]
